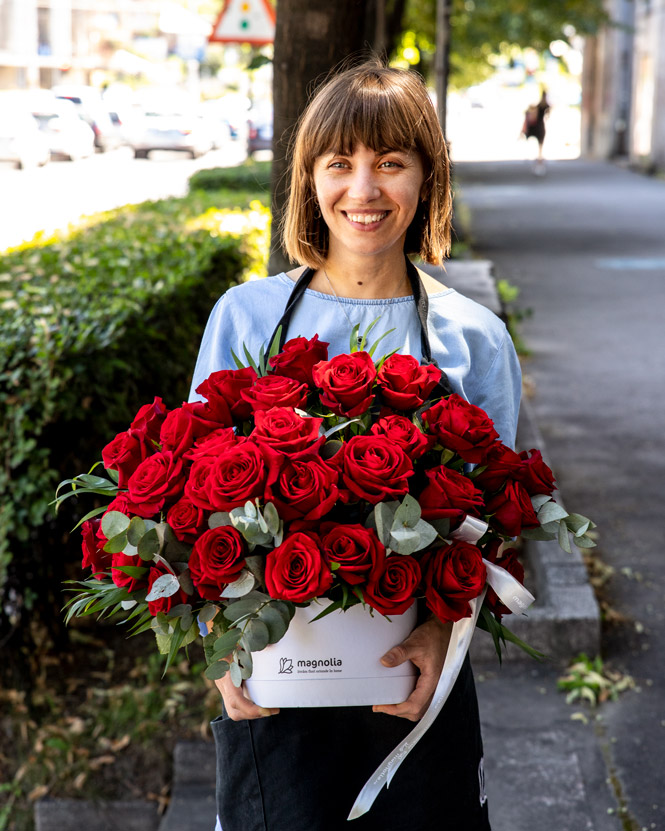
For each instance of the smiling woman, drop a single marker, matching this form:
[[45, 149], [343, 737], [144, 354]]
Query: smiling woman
[[369, 185]]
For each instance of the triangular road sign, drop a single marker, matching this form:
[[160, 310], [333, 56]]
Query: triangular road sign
[[245, 21]]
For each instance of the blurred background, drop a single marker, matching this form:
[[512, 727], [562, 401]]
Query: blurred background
[[142, 151]]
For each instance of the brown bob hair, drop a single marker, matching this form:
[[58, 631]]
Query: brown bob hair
[[384, 109]]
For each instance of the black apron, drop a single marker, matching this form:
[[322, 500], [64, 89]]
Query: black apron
[[302, 769]]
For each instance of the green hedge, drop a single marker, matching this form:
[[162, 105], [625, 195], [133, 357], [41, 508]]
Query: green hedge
[[92, 325], [251, 176]]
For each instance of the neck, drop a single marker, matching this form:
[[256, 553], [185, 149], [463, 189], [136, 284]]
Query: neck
[[368, 280]]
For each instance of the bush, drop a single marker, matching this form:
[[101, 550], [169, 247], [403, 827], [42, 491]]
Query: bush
[[251, 176], [95, 324]]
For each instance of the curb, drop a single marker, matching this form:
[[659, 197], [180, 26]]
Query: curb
[[78, 814], [565, 619]]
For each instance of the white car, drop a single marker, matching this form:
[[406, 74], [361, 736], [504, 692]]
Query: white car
[[158, 130], [69, 136], [21, 140]]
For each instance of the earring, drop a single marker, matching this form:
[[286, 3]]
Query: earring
[[317, 209]]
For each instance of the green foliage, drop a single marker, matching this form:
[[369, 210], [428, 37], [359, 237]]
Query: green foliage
[[588, 679], [251, 176], [94, 324], [481, 28]]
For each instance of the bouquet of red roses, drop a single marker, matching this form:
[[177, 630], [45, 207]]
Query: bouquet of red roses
[[300, 477]]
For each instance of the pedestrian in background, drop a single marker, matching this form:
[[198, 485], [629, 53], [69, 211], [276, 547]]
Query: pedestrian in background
[[534, 126]]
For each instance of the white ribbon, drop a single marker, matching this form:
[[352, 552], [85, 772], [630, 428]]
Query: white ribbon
[[512, 594]]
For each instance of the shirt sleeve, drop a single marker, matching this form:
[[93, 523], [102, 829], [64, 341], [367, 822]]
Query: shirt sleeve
[[214, 346], [499, 391]]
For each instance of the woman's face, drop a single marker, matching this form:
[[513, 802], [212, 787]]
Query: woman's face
[[368, 199]]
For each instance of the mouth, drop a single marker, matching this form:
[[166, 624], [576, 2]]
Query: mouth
[[365, 220]]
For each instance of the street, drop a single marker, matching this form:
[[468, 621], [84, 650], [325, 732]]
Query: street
[[585, 246], [55, 195]]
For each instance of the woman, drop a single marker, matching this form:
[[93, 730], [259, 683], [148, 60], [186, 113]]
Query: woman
[[534, 126], [369, 184]]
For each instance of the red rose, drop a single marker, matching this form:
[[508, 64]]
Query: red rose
[[283, 429], [356, 549], [186, 519], [93, 543], [453, 575], [213, 444], [160, 478], [125, 453], [536, 475], [502, 464], [297, 569], [403, 432], [164, 604], [511, 563], [177, 432], [461, 427], [405, 384], [123, 580], [223, 390], [449, 494], [512, 510], [392, 590], [346, 383], [148, 420], [275, 391], [216, 560], [236, 476], [123, 504], [196, 487], [374, 468], [298, 357], [304, 488]]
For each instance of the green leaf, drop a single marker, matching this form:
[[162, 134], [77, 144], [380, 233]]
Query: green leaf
[[378, 341], [132, 571], [564, 539], [271, 517], [584, 542], [407, 514], [275, 623], [116, 544], [536, 534], [95, 512], [114, 523], [256, 564], [250, 360], [539, 500], [240, 587], [149, 544], [257, 635], [96, 482], [164, 586], [207, 613], [227, 642], [551, 512], [578, 524], [237, 361], [135, 530], [217, 670], [404, 540], [383, 517], [333, 607], [218, 519], [274, 346], [236, 674], [353, 339], [330, 448]]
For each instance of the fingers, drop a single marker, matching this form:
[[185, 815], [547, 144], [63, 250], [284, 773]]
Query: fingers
[[237, 705]]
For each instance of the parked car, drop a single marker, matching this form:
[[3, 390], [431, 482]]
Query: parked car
[[21, 140], [260, 129], [213, 114], [162, 130], [69, 136], [91, 106]]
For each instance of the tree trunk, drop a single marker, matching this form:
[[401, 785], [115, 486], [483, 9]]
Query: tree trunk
[[311, 37]]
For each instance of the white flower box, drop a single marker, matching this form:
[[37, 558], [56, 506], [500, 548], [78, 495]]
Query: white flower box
[[334, 662]]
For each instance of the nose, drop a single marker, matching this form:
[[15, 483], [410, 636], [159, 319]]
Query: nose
[[363, 186]]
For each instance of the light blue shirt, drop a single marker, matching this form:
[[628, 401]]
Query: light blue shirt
[[468, 341]]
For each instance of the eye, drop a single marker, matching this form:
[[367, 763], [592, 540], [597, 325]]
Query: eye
[[391, 163]]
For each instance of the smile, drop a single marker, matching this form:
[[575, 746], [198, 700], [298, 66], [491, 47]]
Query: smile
[[366, 219]]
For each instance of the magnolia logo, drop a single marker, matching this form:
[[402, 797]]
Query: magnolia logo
[[285, 666], [321, 662]]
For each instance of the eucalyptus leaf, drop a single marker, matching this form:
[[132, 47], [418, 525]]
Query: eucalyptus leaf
[[216, 670], [250, 509], [441, 526], [236, 674], [218, 519], [160, 624], [426, 532], [114, 523], [164, 586], [127, 604], [130, 550], [275, 622], [116, 544], [135, 530], [186, 620], [550, 512], [271, 517], [207, 613], [404, 540], [331, 448], [536, 534], [241, 586], [539, 500], [257, 635], [263, 525], [341, 426], [578, 524], [185, 580], [564, 539], [383, 517], [408, 513], [257, 565], [245, 606], [584, 542], [149, 544], [227, 642]]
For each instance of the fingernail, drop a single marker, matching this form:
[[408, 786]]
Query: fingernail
[[265, 712], [388, 658]]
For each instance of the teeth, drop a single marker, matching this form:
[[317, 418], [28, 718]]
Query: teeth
[[366, 219]]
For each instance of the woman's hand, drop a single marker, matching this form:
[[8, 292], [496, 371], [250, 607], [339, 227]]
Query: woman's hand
[[236, 703], [425, 647]]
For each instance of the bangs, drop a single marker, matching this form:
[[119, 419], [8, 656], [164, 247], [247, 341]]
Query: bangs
[[373, 116]]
